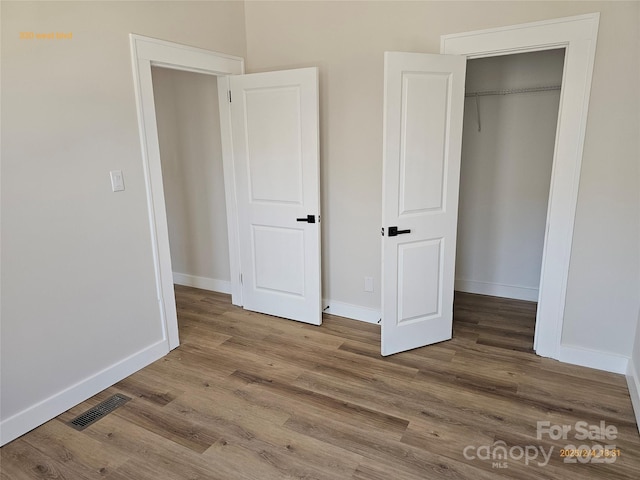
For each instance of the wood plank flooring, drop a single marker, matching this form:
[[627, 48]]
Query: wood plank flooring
[[249, 396]]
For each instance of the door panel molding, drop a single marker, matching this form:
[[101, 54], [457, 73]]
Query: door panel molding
[[578, 36]]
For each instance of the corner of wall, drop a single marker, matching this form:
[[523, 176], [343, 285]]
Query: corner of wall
[[633, 382], [35, 415]]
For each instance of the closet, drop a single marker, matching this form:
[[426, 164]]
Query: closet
[[510, 121]]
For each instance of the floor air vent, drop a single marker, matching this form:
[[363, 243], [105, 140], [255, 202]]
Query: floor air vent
[[96, 413]]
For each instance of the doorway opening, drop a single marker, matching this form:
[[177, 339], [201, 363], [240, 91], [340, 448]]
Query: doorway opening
[[253, 146], [189, 136], [145, 53], [509, 133], [578, 36]]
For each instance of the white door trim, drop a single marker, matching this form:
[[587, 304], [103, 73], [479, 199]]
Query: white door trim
[[578, 36], [147, 52]]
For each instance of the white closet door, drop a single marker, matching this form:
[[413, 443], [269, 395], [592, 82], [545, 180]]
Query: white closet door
[[423, 113], [274, 124]]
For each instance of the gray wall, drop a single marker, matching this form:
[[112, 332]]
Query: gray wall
[[505, 174], [191, 155], [78, 285]]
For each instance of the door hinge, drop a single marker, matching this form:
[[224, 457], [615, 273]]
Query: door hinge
[[382, 231], [241, 283], [229, 96]]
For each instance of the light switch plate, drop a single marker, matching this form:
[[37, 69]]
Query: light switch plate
[[368, 284], [117, 180]]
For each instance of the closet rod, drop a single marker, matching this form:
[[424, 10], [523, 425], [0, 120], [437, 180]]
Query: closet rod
[[512, 91]]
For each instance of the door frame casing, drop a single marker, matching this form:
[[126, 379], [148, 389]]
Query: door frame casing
[[145, 53], [578, 36]]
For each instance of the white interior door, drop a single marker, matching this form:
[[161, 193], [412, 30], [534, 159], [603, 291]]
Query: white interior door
[[274, 129], [423, 113]]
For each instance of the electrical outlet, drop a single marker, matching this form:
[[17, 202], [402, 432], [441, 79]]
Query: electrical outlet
[[368, 284]]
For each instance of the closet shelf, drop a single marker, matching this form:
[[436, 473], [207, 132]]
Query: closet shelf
[[511, 91]]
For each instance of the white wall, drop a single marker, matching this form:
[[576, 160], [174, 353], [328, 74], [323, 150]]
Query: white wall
[[191, 155], [505, 174], [346, 40], [602, 292], [78, 288]]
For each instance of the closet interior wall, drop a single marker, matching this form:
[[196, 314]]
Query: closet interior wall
[[191, 156], [507, 155]]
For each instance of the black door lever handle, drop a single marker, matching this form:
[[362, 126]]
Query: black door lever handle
[[393, 231], [308, 218]]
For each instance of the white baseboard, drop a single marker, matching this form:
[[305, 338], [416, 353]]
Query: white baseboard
[[353, 312], [212, 284], [497, 290], [35, 415], [633, 381], [609, 362]]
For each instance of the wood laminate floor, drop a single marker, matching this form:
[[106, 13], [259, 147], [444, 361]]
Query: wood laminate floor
[[248, 396]]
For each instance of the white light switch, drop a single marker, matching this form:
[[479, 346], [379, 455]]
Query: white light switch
[[117, 180], [368, 284]]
